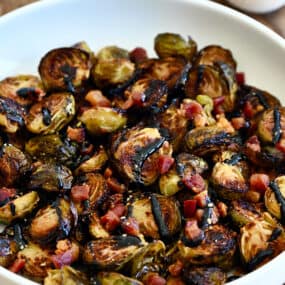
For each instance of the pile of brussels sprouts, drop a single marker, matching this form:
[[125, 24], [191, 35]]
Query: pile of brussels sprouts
[[116, 168]]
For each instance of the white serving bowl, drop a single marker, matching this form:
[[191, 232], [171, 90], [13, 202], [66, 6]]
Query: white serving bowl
[[28, 33]]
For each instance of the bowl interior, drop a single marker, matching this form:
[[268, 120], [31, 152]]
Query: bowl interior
[[28, 33]]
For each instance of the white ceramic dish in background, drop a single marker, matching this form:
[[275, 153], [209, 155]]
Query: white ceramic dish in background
[[258, 6], [28, 33]]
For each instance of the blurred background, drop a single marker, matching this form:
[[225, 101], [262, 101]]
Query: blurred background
[[275, 20]]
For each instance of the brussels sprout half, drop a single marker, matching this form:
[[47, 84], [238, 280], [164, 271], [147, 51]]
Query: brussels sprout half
[[19, 207], [135, 152], [63, 69], [111, 253], [14, 164], [169, 44], [218, 247], [51, 222], [103, 120], [114, 278], [37, 261], [204, 276], [23, 89], [51, 114], [157, 216], [213, 54], [51, 178], [67, 275]]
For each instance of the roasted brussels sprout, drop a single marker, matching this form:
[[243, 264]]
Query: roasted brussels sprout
[[213, 54], [167, 69], [18, 208], [111, 253], [274, 198], [103, 120], [8, 251], [149, 95], [65, 276], [135, 152], [37, 261], [271, 125], [96, 229], [243, 212], [150, 259], [204, 276], [52, 221], [52, 114], [168, 44], [23, 89], [157, 216], [13, 165], [112, 72], [230, 177], [174, 121], [255, 100], [218, 247], [254, 242], [204, 140], [209, 80], [114, 278], [63, 69], [51, 178], [94, 163], [112, 52], [44, 147], [12, 115], [170, 183]]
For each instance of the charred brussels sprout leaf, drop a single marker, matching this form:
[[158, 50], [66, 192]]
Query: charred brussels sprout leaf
[[111, 253], [218, 247], [150, 259], [168, 44], [8, 251], [37, 261], [214, 54], [158, 217], [204, 276], [53, 221], [65, 276], [51, 178], [114, 278], [103, 120], [18, 208], [112, 72], [23, 89], [13, 165], [63, 69], [135, 152], [12, 115], [52, 114]]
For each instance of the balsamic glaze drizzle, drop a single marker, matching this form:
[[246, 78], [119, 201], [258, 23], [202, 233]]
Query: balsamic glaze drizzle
[[156, 210], [46, 116], [275, 188], [236, 158], [262, 99], [277, 126]]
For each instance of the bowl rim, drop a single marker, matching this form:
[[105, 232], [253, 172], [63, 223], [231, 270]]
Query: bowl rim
[[206, 4]]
